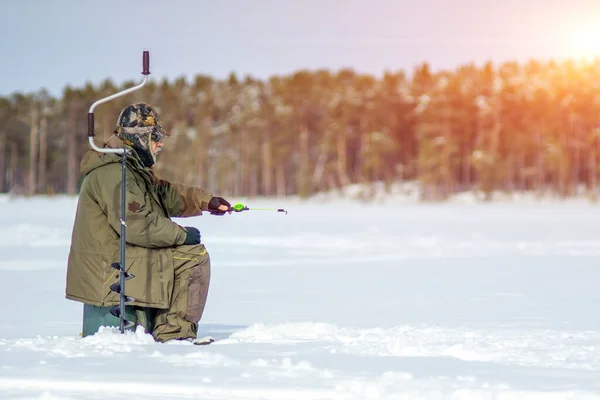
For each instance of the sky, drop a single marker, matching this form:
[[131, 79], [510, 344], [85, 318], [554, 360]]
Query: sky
[[52, 44]]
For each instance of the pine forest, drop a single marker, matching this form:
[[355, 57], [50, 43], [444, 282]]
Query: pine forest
[[510, 127]]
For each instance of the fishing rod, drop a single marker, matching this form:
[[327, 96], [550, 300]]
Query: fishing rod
[[119, 287], [239, 207]]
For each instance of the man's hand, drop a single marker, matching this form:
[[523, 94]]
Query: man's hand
[[193, 235], [218, 206]]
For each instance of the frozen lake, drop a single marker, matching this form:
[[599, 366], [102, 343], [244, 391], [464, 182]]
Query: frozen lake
[[336, 300]]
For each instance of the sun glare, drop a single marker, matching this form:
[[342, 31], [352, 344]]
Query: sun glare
[[585, 43]]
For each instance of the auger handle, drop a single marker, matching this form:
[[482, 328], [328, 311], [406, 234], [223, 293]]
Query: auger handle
[[146, 63], [91, 134]]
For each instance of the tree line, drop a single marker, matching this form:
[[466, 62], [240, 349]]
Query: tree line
[[510, 127]]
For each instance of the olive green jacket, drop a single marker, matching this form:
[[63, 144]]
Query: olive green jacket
[[150, 233]]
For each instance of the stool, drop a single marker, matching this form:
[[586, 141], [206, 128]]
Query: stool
[[94, 317]]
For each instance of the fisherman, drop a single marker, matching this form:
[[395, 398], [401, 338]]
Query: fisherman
[[170, 264]]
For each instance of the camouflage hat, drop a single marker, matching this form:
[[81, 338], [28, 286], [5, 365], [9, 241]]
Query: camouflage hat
[[140, 118], [136, 125]]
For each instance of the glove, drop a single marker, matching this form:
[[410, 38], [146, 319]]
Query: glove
[[215, 202], [193, 235]]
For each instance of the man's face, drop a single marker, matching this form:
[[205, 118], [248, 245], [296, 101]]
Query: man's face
[[155, 147]]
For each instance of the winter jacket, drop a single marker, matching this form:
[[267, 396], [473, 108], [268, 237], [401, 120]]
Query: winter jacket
[[150, 233]]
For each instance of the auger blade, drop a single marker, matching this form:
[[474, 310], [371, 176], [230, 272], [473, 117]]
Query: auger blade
[[128, 324], [116, 312], [117, 266], [116, 287]]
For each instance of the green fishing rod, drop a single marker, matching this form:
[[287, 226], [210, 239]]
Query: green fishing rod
[[239, 207]]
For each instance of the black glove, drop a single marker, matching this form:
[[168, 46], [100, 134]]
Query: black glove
[[193, 235], [215, 202]]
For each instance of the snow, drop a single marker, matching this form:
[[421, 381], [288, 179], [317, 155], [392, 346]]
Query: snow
[[336, 300]]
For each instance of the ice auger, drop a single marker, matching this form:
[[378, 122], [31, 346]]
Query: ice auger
[[119, 311]]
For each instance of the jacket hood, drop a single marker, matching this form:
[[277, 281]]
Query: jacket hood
[[93, 159]]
